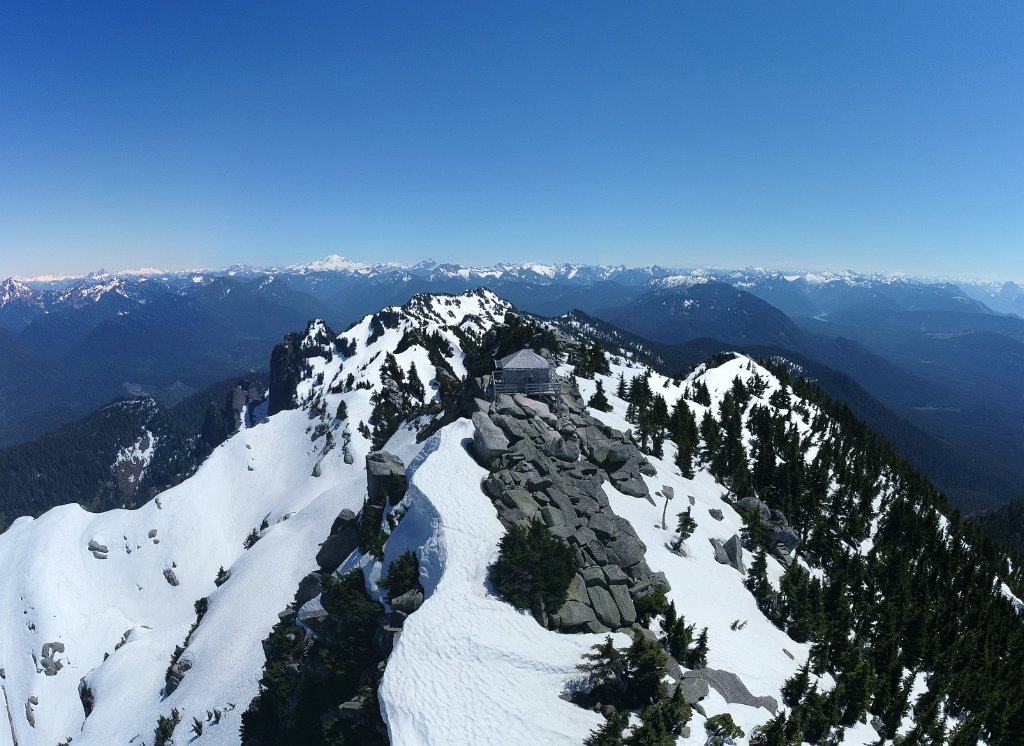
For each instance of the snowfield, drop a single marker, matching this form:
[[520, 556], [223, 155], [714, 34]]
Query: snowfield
[[63, 593]]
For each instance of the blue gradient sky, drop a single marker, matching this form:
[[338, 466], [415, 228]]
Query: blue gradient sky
[[876, 136]]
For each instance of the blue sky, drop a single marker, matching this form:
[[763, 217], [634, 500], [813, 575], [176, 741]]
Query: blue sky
[[877, 136]]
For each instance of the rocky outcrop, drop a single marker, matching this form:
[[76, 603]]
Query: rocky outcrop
[[385, 476], [695, 687], [175, 675], [734, 551], [550, 466], [489, 441], [734, 691], [99, 551], [730, 553], [342, 541], [288, 364], [783, 540], [48, 660]]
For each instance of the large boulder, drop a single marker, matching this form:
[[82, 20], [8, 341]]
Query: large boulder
[[408, 602], [504, 405], [489, 442], [605, 608], [517, 499], [626, 551], [574, 614], [695, 687], [624, 603], [385, 476], [618, 455], [309, 587], [563, 450], [720, 556], [752, 504], [512, 427], [344, 539], [535, 408], [632, 486], [734, 551], [786, 536]]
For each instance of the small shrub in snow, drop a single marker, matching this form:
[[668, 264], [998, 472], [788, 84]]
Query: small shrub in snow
[[222, 577], [650, 605], [165, 728], [722, 727]]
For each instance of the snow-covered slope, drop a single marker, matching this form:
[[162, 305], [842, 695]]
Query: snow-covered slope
[[161, 558]]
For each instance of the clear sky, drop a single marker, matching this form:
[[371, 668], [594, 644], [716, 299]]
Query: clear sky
[[877, 136]]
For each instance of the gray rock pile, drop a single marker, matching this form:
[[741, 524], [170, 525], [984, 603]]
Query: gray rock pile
[[550, 466], [49, 662]]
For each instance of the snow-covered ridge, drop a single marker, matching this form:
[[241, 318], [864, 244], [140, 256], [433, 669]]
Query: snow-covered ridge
[[91, 602]]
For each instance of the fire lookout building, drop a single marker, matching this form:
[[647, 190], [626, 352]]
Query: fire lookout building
[[526, 372]]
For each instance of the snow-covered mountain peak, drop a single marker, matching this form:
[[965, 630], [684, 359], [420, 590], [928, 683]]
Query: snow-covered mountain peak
[[694, 277], [336, 263], [12, 291], [481, 305]]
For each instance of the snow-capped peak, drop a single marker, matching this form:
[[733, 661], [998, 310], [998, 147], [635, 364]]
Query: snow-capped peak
[[13, 290], [334, 263]]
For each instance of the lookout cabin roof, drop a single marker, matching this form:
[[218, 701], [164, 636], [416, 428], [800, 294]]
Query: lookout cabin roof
[[523, 360]]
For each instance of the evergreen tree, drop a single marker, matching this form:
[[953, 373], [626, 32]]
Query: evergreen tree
[[609, 734], [533, 569], [645, 666], [796, 686], [606, 671], [757, 583], [701, 395], [683, 430], [599, 401], [677, 636], [685, 527], [415, 385], [384, 418]]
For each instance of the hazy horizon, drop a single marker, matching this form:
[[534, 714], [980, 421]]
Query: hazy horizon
[[785, 270]]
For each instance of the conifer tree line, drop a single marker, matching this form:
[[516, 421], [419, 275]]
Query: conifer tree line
[[920, 597], [395, 400]]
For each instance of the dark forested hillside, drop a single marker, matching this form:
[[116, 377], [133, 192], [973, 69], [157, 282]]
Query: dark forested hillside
[[124, 453], [1006, 524]]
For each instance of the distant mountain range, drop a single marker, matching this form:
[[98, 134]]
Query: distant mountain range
[[943, 359]]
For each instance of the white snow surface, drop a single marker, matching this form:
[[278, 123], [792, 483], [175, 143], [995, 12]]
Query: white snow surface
[[62, 593]]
